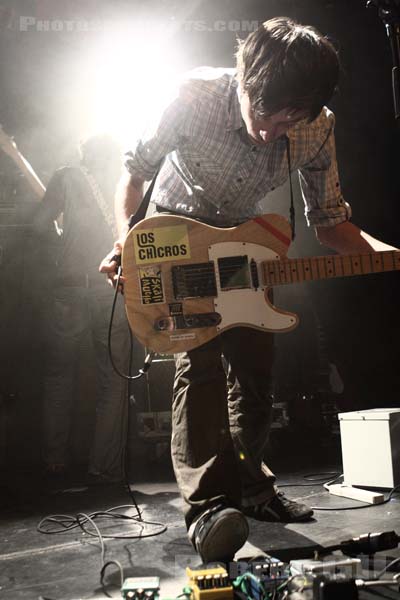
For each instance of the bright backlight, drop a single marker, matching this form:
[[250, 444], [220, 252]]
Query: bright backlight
[[133, 77]]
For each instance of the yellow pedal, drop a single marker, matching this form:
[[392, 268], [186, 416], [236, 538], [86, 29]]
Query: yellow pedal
[[210, 584]]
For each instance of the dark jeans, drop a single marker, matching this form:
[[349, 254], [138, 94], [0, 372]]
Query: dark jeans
[[75, 311], [221, 421]]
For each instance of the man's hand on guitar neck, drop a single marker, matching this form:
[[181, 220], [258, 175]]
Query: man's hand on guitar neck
[[109, 266], [347, 238]]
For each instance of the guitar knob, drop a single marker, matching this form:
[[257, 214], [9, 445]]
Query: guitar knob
[[162, 324]]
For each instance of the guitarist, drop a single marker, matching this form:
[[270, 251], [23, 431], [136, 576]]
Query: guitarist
[[228, 137], [80, 305]]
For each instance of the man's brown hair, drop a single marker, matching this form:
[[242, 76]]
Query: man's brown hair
[[287, 65]]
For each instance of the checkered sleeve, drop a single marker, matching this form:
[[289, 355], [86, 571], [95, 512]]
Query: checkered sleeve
[[320, 186], [161, 138]]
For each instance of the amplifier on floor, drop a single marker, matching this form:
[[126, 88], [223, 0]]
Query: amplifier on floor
[[371, 447]]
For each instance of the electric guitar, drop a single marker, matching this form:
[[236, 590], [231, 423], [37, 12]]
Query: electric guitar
[[186, 282]]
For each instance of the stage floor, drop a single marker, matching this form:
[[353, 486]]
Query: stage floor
[[67, 566]]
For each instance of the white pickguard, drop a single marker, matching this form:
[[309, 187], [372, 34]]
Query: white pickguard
[[248, 306]]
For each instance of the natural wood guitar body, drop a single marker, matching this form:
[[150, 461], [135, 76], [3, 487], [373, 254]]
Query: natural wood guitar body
[[191, 241], [186, 282]]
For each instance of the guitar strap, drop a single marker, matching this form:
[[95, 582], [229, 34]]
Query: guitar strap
[[143, 206], [103, 205]]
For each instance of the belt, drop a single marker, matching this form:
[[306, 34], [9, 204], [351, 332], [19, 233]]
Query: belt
[[162, 209]]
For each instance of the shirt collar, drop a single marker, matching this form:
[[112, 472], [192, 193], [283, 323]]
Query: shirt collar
[[234, 116]]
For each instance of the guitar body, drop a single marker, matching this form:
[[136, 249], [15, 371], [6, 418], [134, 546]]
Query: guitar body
[[186, 282]]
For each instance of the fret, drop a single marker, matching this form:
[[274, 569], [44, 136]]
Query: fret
[[366, 263], [377, 262], [307, 269], [277, 271], [288, 271], [300, 269], [388, 261], [371, 261], [314, 268], [269, 273], [347, 266], [329, 267], [321, 267], [293, 270], [282, 273], [356, 265], [338, 265]]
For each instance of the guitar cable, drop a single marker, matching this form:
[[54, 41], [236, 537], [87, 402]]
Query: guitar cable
[[292, 212], [133, 219], [149, 357]]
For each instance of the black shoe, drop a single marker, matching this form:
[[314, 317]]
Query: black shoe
[[279, 509], [218, 533]]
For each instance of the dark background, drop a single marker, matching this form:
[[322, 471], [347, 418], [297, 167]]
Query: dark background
[[357, 319]]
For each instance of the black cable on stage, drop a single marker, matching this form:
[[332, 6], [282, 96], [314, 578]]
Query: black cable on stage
[[53, 524], [129, 378], [318, 480]]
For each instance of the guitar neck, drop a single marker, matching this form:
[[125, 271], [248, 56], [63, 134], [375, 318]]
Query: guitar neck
[[296, 270]]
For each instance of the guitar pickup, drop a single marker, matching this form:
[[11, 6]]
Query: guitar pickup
[[191, 321]]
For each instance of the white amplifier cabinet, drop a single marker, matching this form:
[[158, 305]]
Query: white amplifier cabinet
[[371, 447]]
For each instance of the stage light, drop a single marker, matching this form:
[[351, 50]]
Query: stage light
[[133, 76]]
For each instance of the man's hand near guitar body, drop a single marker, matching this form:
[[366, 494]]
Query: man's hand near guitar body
[[129, 195]]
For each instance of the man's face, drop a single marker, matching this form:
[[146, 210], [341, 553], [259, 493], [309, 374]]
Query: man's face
[[267, 129]]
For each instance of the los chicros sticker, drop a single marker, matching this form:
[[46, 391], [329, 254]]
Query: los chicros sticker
[[161, 244]]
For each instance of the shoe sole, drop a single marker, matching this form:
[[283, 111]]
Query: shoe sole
[[226, 536]]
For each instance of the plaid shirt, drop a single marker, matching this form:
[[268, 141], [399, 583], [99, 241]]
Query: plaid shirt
[[212, 170]]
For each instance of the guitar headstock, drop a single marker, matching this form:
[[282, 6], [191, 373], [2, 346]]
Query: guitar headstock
[[7, 143]]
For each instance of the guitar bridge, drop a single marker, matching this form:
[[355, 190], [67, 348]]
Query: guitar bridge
[[191, 321]]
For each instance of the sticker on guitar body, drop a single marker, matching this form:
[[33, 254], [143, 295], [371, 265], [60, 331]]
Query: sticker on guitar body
[[179, 337], [151, 288], [161, 244]]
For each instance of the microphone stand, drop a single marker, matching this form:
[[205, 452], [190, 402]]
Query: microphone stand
[[389, 12]]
